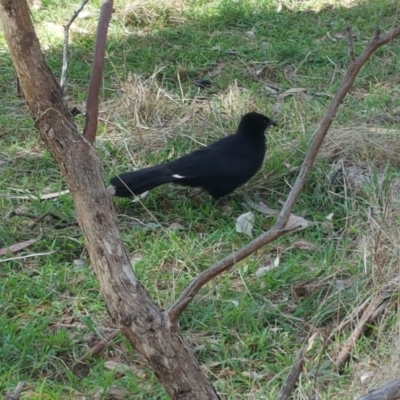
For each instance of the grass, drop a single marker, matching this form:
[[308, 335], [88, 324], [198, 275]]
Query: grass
[[245, 329]]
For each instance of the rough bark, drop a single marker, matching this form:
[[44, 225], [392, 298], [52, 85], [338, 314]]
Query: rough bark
[[147, 327]]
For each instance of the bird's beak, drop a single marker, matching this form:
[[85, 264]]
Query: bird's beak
[[272, 123]]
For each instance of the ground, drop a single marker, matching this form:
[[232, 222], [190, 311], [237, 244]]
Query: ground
[[283, 58]]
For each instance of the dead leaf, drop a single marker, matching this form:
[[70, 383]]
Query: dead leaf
[[270, 265], [245, 223], [218, 68], [301, 245], [341, 35], [330, 216], [311, 341], [260, 73], [17, 247], [290, 167], [395, 111], [261, 207], [176, 226], [116, 366], [291, 92], [364, 378], [271, 89], [233, 52], [297, 223], [124, 368], [79, 264], [327, 227], [113, 392], [251, 34]]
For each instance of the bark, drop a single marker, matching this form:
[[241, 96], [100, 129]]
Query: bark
[[147, 327], [390, 391]]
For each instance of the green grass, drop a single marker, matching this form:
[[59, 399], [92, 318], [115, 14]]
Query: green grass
[[244, 329]]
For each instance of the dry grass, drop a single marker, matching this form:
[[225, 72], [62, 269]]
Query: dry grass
[[142, 14], [363, 144], [143, 116]]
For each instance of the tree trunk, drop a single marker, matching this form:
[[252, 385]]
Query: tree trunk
[[147, 327]]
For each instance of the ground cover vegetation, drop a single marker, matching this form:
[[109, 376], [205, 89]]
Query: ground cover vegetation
[[285, 59]]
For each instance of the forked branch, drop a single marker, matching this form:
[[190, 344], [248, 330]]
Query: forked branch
[[279, 228]]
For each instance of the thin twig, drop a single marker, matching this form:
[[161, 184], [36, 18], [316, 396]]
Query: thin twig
[[349, 319], [377, 304], [279, 228], [357, 332], [65, 47], [27, 256], [350, 43], [92, 102], [293, 375], [390, 391], [17, 392]]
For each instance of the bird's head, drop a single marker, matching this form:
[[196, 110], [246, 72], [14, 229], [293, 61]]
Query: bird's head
[[255, 123]]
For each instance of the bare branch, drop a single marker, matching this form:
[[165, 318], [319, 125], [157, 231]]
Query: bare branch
[[92, 106], [350, 43], [391, 391], [294, 374], [65, 47], [279, 228]]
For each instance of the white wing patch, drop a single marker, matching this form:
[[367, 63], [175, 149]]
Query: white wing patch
[[177, 176]]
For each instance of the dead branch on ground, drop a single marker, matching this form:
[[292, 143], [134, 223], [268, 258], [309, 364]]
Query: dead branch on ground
[[371, 309], [293, 375]]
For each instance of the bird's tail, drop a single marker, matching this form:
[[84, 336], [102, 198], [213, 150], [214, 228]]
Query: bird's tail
[[138, 182]]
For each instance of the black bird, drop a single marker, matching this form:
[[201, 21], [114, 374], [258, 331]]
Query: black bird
[[218, 168]]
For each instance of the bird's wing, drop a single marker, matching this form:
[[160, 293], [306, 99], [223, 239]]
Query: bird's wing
[[225, 157]]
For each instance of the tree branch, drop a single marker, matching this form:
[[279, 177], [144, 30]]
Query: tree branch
[[145, 325], [279, 228], [65, 47], [390, 391], [92, 102], [293, 375]]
